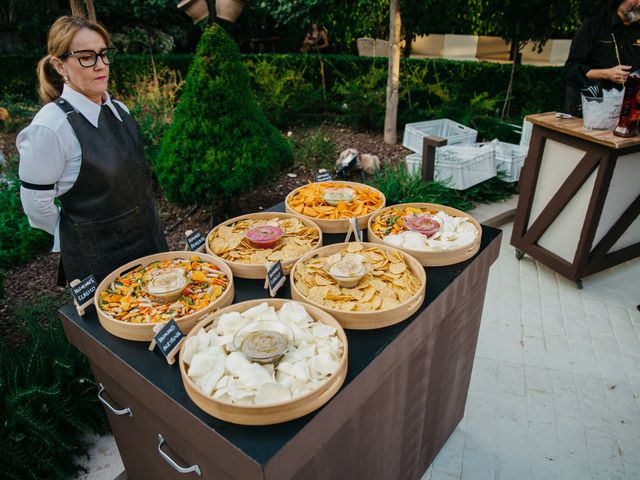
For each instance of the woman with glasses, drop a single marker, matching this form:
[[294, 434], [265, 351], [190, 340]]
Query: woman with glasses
[[84, 149]]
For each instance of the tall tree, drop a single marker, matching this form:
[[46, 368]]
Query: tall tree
[[393, 78], [522, 22], [422, 17], [345, 21]]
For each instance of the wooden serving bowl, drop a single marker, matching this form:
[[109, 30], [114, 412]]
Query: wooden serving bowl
[[258, 271], [143, 332], [341, 225], [367, 320], [437, 258], [276, 412]]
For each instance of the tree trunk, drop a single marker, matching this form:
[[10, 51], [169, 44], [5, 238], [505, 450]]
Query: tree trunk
[[516, 47], [83, 8], [391, 113]]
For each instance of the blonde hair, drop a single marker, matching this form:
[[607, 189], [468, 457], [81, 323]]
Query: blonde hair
[[61, 34]]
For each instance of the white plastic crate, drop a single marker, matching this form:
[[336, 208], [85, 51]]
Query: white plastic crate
[[455, 133], [525, 135], [509, 160], [460, 167]]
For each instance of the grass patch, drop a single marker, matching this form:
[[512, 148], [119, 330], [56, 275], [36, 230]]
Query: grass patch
[[315, 150], [399, 186]]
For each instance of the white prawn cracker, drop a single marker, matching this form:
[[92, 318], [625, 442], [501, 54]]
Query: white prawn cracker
[[224, 374]]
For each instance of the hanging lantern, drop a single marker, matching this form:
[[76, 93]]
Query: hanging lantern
[[229, 10], [196, 9]]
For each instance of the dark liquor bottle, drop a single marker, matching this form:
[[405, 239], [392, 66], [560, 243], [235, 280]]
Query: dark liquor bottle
[[629, 114]]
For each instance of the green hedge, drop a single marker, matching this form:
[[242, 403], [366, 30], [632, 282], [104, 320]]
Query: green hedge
[[18, 72], [536, 89]]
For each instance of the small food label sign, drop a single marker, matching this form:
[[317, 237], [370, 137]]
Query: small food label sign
[[82, 291], [195, 240], [275, 277], [354, 228], [168, 338], [323, 176]]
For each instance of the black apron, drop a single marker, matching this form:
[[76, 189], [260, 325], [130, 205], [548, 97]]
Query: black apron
[[108, 217]]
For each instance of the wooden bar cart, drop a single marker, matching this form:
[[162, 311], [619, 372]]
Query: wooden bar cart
[[579, 204]]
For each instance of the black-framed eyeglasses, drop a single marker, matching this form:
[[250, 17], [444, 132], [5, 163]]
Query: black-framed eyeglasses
[[88, 58]]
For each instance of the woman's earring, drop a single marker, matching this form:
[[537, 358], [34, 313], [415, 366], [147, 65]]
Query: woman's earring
[[66, 79]]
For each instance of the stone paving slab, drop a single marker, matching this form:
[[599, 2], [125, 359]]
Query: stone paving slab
[[555, 390]]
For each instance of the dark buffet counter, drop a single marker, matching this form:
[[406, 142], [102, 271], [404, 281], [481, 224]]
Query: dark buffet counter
[[404, 394]]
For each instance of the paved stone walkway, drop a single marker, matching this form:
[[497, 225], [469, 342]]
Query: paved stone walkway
[[555, 391]]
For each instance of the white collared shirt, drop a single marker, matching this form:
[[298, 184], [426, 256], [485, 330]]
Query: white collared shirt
[[50, 154]]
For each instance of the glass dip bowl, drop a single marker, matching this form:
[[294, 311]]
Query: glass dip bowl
[[264, 236], [263, 341], [348, 271], [167, 284], [423, 223], [333, 196]]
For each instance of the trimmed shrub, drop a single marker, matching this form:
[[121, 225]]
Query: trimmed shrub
[[220, 142]]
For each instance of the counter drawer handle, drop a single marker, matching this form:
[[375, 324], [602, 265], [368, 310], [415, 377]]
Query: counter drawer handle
[[124, 411], [170, 461]]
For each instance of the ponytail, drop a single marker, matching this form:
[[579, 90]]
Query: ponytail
[[50, 81]]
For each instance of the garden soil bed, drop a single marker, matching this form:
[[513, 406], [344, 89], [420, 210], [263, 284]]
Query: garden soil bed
[[25, 284]]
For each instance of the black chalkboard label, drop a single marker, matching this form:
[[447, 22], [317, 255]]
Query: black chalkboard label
[[169, 338], [195, 240], [323, 177], [83, 291], [356, 229], [275, 277]]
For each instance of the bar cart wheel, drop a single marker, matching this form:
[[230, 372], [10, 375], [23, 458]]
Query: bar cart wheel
[[519, 254], [579, 283]]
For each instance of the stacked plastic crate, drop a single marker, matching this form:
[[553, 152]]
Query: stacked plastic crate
[[509, 160], [461, 164]]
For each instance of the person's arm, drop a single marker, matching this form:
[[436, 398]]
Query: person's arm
[[617, 74], [42, 163], [323, 41], [577, 68]]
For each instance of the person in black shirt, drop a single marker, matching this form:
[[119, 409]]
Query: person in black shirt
[[605, 49]]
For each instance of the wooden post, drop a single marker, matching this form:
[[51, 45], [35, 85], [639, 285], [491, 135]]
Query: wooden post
[[429, 145], [393, 78]]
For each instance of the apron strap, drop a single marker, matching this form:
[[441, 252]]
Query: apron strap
[[61, 280], [65, 106]]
